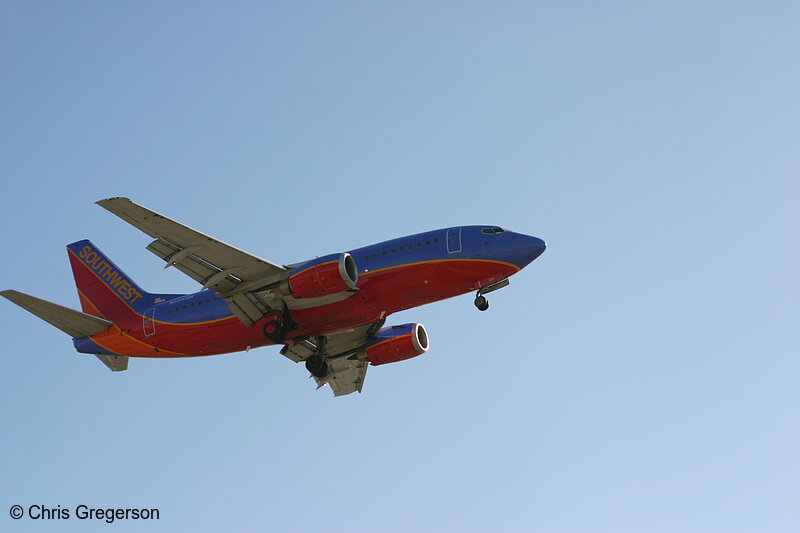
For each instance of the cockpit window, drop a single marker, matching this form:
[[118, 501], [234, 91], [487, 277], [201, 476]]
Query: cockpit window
[[493, 230]]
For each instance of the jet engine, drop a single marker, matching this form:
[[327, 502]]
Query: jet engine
[[396, 343], [323, 276]]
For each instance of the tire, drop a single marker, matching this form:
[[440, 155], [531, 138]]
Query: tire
[[481, 302], [317, 366], [274, 331]]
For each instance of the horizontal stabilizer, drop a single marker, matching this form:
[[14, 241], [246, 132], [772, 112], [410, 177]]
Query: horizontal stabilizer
[[73, 323], [117, 363]]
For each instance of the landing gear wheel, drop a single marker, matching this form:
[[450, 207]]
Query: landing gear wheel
[[275, 331], [481, 303], [317, 366]]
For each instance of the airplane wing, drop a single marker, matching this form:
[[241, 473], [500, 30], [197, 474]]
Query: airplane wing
[[346, 376], [218, 266], [346, 373]]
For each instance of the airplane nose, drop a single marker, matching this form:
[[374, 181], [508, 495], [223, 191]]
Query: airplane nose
[[537, 246], [530, 249]]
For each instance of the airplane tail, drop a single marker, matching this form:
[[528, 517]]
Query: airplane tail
[[73, 323], [77, 325], [104, 289]]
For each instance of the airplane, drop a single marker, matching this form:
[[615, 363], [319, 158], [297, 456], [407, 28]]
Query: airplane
[[328, 313]]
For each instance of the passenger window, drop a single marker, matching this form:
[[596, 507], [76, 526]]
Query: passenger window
[[402, 248], [374, 256], [393, 250], [384, 252], [184, 308], [419, 245], [199, 303], [427, 243], [435, 240], [192, 304]]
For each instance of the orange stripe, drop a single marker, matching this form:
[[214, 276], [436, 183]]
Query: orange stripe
[[192, 323], [86, 299], [312, 266], [515, 267], [106, 348], [122, 333], [387, 340], [129, 338]]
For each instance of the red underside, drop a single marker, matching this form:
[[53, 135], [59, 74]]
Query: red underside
[[380, 292]]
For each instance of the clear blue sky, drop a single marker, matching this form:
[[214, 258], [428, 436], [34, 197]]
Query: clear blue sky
[[640, 376]]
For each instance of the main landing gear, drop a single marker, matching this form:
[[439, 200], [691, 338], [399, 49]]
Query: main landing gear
[[317, 366], [481, 302], [275, 330]]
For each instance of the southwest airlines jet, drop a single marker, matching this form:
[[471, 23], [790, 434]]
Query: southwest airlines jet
[[328, 312]]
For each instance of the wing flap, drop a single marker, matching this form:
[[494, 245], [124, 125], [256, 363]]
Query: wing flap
[[345, 376], [247, 307], [190, 246], [194, 266], [346, 373], [73, 323], [299, 352]]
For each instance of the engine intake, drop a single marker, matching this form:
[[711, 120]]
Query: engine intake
[[396, 343], [323, 276]]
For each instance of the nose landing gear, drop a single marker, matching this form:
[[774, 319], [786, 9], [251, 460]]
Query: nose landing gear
[[480, 300]]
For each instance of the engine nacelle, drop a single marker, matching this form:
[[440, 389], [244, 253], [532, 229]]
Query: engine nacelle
[[323, 276], [396, 343]]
